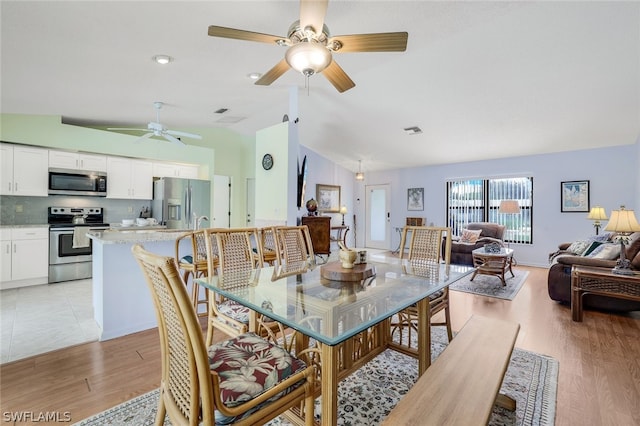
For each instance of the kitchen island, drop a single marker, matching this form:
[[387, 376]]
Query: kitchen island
[[122, 302]]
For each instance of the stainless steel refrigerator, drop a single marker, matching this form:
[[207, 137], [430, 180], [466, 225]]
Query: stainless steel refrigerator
[[177, 203]]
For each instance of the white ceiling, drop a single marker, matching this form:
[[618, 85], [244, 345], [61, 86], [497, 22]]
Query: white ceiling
[[482, 79]]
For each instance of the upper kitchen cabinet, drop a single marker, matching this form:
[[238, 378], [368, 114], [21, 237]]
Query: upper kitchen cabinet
[[24, 170], [185, 171], [77, 161], [129, 178]]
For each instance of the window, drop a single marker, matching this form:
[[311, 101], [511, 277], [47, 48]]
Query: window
[[478, 200]]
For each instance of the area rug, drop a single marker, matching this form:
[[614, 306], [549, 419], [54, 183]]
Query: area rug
[[491, 286], [367, 396]]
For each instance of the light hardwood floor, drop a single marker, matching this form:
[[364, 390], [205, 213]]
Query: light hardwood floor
[[599, 378]]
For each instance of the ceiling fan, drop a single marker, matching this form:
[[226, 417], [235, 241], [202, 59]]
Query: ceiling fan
[[310, 45], [157, 129]]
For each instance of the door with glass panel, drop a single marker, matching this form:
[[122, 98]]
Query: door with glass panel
[[378, 221]]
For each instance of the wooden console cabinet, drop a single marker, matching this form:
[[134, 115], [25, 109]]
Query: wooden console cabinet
[[320, 232]]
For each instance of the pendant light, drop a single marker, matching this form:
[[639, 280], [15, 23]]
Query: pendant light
[[359, 174]]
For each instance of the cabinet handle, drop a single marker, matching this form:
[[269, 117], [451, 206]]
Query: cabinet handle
[[10, 184], [16, 187], [8, 248], [15, 247]]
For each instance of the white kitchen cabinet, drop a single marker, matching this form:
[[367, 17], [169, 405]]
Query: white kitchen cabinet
[[129, 178], [25, 256], [77, 161], [25, 170], [5, 244], [185, 171]]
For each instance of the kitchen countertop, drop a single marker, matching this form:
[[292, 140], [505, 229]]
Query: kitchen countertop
[[135, 235]]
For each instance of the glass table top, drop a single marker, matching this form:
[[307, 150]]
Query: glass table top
[[332, 311]]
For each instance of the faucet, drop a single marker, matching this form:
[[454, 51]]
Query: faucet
[[197, 220]]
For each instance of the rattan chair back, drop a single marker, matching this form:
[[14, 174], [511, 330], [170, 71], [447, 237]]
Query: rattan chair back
[[189, 388], [295, 254], [193, 263]]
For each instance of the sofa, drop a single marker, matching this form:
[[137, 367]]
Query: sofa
[[461, 247], [559, 278]]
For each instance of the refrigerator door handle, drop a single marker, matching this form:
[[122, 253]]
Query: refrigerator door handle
[[185, 209]]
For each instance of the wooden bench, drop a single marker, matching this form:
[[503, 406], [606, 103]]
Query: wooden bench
[[463, 384]]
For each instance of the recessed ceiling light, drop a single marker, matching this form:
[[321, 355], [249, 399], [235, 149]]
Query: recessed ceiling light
[[254, 75], [162, 59]]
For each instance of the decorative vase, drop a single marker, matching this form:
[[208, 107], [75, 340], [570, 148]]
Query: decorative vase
[[348, 258]]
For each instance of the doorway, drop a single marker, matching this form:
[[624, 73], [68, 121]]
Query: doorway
[[221, 202], [378, 221]]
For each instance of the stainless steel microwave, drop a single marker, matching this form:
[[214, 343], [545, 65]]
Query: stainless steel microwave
[[77, 182]]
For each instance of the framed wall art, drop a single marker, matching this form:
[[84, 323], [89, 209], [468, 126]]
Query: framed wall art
[[415, 199], [574, 196], [328, 198]]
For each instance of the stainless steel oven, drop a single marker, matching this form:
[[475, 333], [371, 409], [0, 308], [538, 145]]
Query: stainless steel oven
[[69, 261]]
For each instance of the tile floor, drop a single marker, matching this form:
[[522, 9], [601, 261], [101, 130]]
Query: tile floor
[[42, 318]]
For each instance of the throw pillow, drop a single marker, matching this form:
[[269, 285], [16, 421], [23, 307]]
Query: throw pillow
[[606, 252], [578, 247], [594, 245], [469, 236]]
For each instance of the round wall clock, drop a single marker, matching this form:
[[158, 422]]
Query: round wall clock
[[267, 162]]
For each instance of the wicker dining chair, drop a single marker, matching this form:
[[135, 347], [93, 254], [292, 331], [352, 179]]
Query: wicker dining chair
[[246, 380], [269, 248], [424, 258], [193, 264], [238, 251], [295, 254]]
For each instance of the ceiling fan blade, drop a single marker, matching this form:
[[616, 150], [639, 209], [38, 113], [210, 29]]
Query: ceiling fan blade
[[183, 134], [336, 76], [273, 74], [129, 129], [172, 139], [376, 42], [312, 13], [215, 31], [143, 137]]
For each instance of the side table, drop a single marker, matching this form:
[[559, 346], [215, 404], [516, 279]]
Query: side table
[[603, 282], [495, 264]]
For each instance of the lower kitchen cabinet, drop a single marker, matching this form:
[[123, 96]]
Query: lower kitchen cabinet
[[25, 256]]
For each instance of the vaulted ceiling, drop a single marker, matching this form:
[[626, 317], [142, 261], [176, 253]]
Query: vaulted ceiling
[[481, 79]]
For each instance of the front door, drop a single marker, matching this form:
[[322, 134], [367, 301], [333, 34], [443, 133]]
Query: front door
[[378, 221]]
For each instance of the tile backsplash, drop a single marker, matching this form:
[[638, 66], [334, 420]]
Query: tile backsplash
[[16, 210]]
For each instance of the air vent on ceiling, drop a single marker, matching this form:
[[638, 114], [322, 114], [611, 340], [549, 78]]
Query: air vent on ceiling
[[221, 110], [413, 130]]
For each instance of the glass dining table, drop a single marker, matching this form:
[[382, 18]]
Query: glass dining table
[[349, 321]]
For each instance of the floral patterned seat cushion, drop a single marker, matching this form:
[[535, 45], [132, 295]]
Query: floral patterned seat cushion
[[234, 310], [249, 365]]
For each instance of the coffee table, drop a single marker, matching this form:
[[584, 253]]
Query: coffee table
[[495, 264]]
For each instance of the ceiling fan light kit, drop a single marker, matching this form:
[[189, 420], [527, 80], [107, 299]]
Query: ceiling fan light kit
[[308, 57]]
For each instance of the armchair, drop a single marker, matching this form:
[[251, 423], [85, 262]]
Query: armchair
[[490, 233]]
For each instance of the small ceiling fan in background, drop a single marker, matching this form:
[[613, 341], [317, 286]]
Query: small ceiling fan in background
[[310, 46], [155, 128]]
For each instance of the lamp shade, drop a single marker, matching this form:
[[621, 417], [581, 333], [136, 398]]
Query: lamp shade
[[623, 220], [359, 173], [597, 213], [509, 207], [308, 57], [343, 210]]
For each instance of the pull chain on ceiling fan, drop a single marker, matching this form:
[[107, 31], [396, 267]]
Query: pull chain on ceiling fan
[[310, 45]]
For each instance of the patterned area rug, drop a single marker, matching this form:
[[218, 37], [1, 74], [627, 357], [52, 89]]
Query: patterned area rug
[[368, 395], [491, 286]]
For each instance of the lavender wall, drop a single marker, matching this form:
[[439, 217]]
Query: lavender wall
[[613, 174]]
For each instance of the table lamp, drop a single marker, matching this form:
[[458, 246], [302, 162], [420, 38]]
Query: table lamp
[[597, 214], [623, 222], [343, 211]]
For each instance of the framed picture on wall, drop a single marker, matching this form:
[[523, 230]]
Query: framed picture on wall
[[574, 196], [415, 199], [328, 198]]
